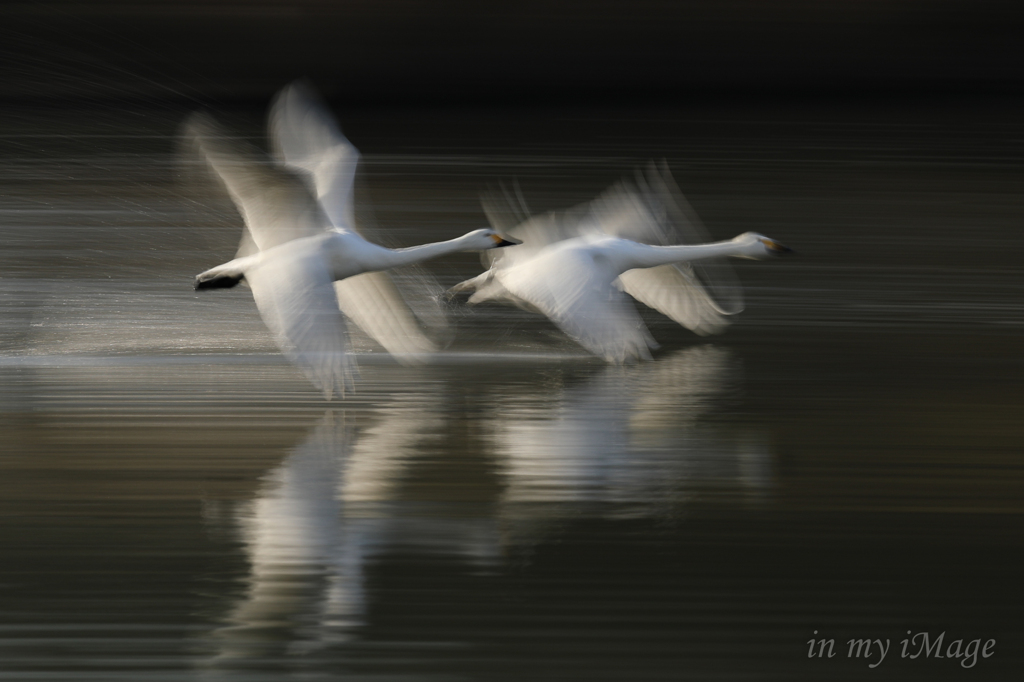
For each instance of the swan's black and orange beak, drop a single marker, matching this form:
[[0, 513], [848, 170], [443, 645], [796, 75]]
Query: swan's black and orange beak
[[500, 241], [777, 248]]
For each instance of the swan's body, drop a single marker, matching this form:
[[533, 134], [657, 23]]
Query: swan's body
[[297, 245], [578, 268]]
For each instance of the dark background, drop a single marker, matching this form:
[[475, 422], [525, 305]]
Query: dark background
[[522, 52], [883, 140]]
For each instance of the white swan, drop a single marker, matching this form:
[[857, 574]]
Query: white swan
[[577, 267], [292, 250]]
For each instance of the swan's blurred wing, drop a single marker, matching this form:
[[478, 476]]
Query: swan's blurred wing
[[506, 214], [649, 210], [305, 136], [564, 285], [295, 296], [505, 210], [275, 203], [652, 210], [606, 324], [374, 303], [673, 291]]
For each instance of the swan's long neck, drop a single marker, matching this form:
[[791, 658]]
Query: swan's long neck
[[646, 256], [418, 254]]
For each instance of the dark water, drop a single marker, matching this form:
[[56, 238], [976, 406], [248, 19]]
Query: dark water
[[178, 503]]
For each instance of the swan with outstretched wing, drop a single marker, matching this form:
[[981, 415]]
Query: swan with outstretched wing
[[638, 238], [292, 250], [400, 313]]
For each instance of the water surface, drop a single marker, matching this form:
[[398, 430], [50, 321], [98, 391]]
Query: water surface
[[179, 503]]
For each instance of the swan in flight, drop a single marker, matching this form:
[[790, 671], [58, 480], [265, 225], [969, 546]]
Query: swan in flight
[[299, 239], [577, 266]]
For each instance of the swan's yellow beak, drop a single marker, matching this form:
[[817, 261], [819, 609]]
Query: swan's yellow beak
[[504, 241], [776, 247]]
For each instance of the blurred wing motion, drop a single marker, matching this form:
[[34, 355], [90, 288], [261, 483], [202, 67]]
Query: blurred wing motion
[[566, 286], [294, 289], [698, 295], [296, 299], [308, 189], [275, 203], [307, 139]]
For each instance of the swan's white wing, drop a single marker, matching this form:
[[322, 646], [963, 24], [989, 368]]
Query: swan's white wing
[[577, 295], [606, 324], [507, 215], [537, 233], [652, 210], [295, 296], [504, 209], [275, 203], [373, 302], [305, 136], [673, 291]]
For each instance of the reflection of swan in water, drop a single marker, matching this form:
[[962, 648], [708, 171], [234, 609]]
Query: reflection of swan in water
[[292, 535], [319, 517], [628, 439], [632, 437]]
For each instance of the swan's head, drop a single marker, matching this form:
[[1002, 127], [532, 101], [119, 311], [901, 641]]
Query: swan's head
[[754, 245], [481, 240]]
